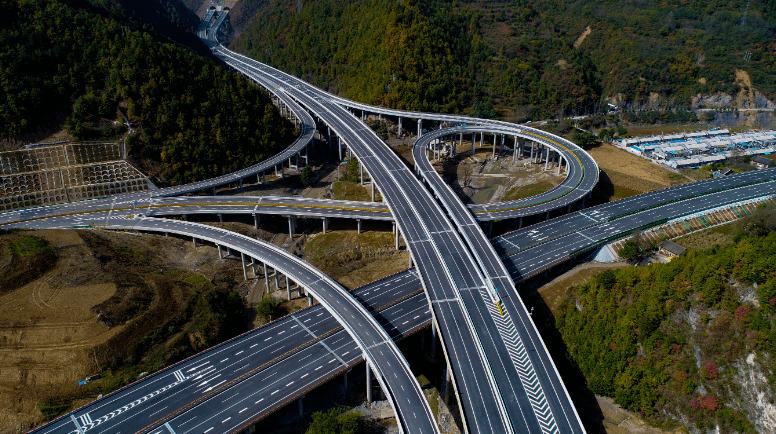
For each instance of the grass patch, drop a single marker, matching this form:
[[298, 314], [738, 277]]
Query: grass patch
[[432, 395], [528, 191], [717, 236], [28, 246], [622, 193], [348, 190]]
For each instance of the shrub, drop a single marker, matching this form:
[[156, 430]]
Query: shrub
[[308, 176], [335, 421], [268, 308]]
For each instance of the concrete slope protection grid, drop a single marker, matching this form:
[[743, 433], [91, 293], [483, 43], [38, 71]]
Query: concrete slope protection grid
[[515, 241], [275, 363], [530, 261], [758, 184], [446, 268]]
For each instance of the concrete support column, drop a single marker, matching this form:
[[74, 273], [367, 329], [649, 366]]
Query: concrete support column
[[447, 385], [560, 163], [433, 338], [309, 299], [373, 189], [358, 229], [290, 227], [520, 225], [245, 269], [474, 139], [494, 144], [410, 255], [548, 216], [547, 159], [256, 221], [514, 151], [396, 231], [277, 286], [266, 276], [482, 138], [368, 381], [301, 406], [339, 147], [325, 224], [220, 255], [220, 217], [361, 172], [282, 170], [214, 191], [420, 127], [288, 289], [532, 151], [399, 132], [195, 241], [241, 185], [501, 147]]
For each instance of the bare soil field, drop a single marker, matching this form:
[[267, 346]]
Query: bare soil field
[[72, 320], [632, 172], [354, 259]]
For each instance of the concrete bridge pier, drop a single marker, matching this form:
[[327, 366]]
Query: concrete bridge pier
[[291, 226], [245, 269], [339, 147], [325, 224], [195, 241], [494, 144], [220, 254], [266, 276], [301, 406], [532, 152], [256, 221], [514, 151], [399, 132], [447, 384], [373, 188], [396, 231], [358, 229], [433, 338], [420, 127], [368, 381], [474, 140], [288, 289], [546, 159]]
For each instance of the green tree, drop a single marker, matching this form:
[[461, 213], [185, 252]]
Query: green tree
[[630, 251], [268, 308], [586, 139], [308, 176], [335, 421], [352, 170]]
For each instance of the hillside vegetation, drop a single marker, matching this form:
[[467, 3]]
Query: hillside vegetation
[[194, 118], [523, 58], [691, 341]]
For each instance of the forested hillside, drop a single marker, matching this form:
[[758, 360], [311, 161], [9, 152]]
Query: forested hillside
[[690, 342], [194, 118], [525, 57]]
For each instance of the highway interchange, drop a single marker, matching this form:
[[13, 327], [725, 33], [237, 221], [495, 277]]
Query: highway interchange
[[495, 375]]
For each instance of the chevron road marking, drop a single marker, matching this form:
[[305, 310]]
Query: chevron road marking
[[525, 370]]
